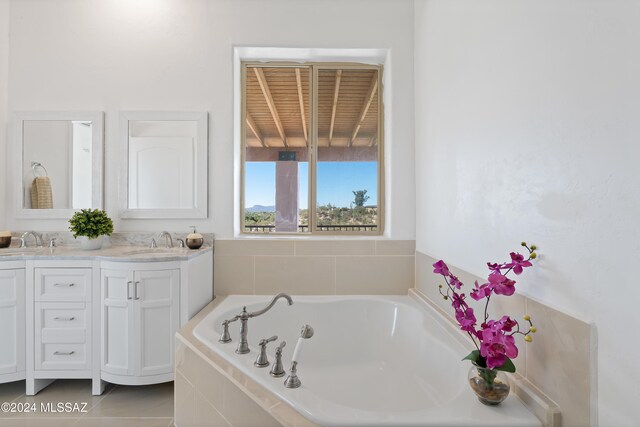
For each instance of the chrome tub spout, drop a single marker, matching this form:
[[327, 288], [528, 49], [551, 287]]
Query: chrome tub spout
[[243, 345]]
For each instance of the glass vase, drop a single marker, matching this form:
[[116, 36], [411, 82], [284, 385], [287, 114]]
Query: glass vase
[[491, 386]]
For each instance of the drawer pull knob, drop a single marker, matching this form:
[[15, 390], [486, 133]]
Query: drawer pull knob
[[129, 290], [64, 319], [64, 284], [63, 353]]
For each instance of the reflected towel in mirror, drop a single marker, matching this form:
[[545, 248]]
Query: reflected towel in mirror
[[41, 196]]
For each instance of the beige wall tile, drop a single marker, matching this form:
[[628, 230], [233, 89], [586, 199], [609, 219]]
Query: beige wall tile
[[558, 361], [184, 401], [241, 411], [233, 275], [390, 275], [254, 247], [335, 247], [205, 414], [300, 275], [395, 247], [427, 282], [202, 375], [289, 417]]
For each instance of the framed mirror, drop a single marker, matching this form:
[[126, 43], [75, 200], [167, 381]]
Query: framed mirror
[[164, 164], [58, 159]]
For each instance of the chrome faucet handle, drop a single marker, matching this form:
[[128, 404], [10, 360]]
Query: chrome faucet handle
[[180, 243], [261, 360], [23, 243], [226, 336], [52, 243], [277, 370], [153, 244]]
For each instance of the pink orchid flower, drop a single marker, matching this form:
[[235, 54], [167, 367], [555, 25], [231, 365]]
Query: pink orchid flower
[[501, 284], [480, 292], [518, 262], [496, 347], [441, 268]]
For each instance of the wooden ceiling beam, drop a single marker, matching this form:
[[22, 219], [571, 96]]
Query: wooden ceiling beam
[[365, 107], [254, 128], [336, 91], [301, 99], [262, 81]]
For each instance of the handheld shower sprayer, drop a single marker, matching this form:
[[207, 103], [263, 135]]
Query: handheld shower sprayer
[[292, 380]]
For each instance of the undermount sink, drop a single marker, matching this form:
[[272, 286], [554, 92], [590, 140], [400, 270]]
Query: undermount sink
[[18, 251], [149, 251]]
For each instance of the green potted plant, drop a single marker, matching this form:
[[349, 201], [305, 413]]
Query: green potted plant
[[90, 226]]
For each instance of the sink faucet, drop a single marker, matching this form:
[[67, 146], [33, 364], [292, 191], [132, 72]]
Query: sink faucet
[[168, 239], [37, 237], [243, 346]]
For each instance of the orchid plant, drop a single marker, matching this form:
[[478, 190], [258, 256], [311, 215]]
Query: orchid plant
[[494, 339]]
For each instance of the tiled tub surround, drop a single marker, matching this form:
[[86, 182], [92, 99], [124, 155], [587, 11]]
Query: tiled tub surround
[[401, 368], [314, 267], [559, 363]]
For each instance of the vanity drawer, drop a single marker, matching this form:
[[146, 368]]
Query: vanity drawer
[[62, 335], [62, 284], [62, 356], [53, 316]]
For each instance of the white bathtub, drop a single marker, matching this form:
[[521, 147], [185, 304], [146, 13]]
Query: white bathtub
[[374, 361]]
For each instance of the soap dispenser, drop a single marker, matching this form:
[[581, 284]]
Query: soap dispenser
[[194, 240]]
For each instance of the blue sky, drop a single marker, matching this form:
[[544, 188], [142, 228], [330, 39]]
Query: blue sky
[[336, 181]]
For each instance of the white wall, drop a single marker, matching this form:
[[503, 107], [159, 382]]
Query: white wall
[[527, 128], [4, 76], [177, 55]]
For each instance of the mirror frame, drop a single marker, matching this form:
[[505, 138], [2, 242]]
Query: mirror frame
[[200, 210], [97, 159]]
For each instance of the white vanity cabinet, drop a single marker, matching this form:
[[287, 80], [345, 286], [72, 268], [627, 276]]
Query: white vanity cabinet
[[108, 316], [140, 313], [12, 321]]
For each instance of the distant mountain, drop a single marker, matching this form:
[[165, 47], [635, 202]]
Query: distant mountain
[[260, 208]]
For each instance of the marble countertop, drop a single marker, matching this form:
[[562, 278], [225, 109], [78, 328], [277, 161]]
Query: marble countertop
[[113, 253]]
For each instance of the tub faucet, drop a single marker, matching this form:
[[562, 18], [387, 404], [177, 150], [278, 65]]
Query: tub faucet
[[36, 237], [243, 345]]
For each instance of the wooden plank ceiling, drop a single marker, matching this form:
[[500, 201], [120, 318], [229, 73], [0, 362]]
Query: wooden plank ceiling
[[278, 107]]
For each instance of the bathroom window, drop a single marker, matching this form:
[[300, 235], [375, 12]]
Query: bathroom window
[[312, 151]]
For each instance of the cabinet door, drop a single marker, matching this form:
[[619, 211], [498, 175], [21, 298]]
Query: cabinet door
[[117, 321], [157, 296], [12, 321]]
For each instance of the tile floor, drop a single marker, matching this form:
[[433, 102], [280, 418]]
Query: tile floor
[[122, 406]]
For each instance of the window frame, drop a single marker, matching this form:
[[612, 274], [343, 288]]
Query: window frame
[[314, 68]]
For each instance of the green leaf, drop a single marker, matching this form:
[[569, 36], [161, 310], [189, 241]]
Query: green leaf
[[473, 356], [507, 366]]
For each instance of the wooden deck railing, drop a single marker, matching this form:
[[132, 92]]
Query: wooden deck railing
[[305, 228]]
